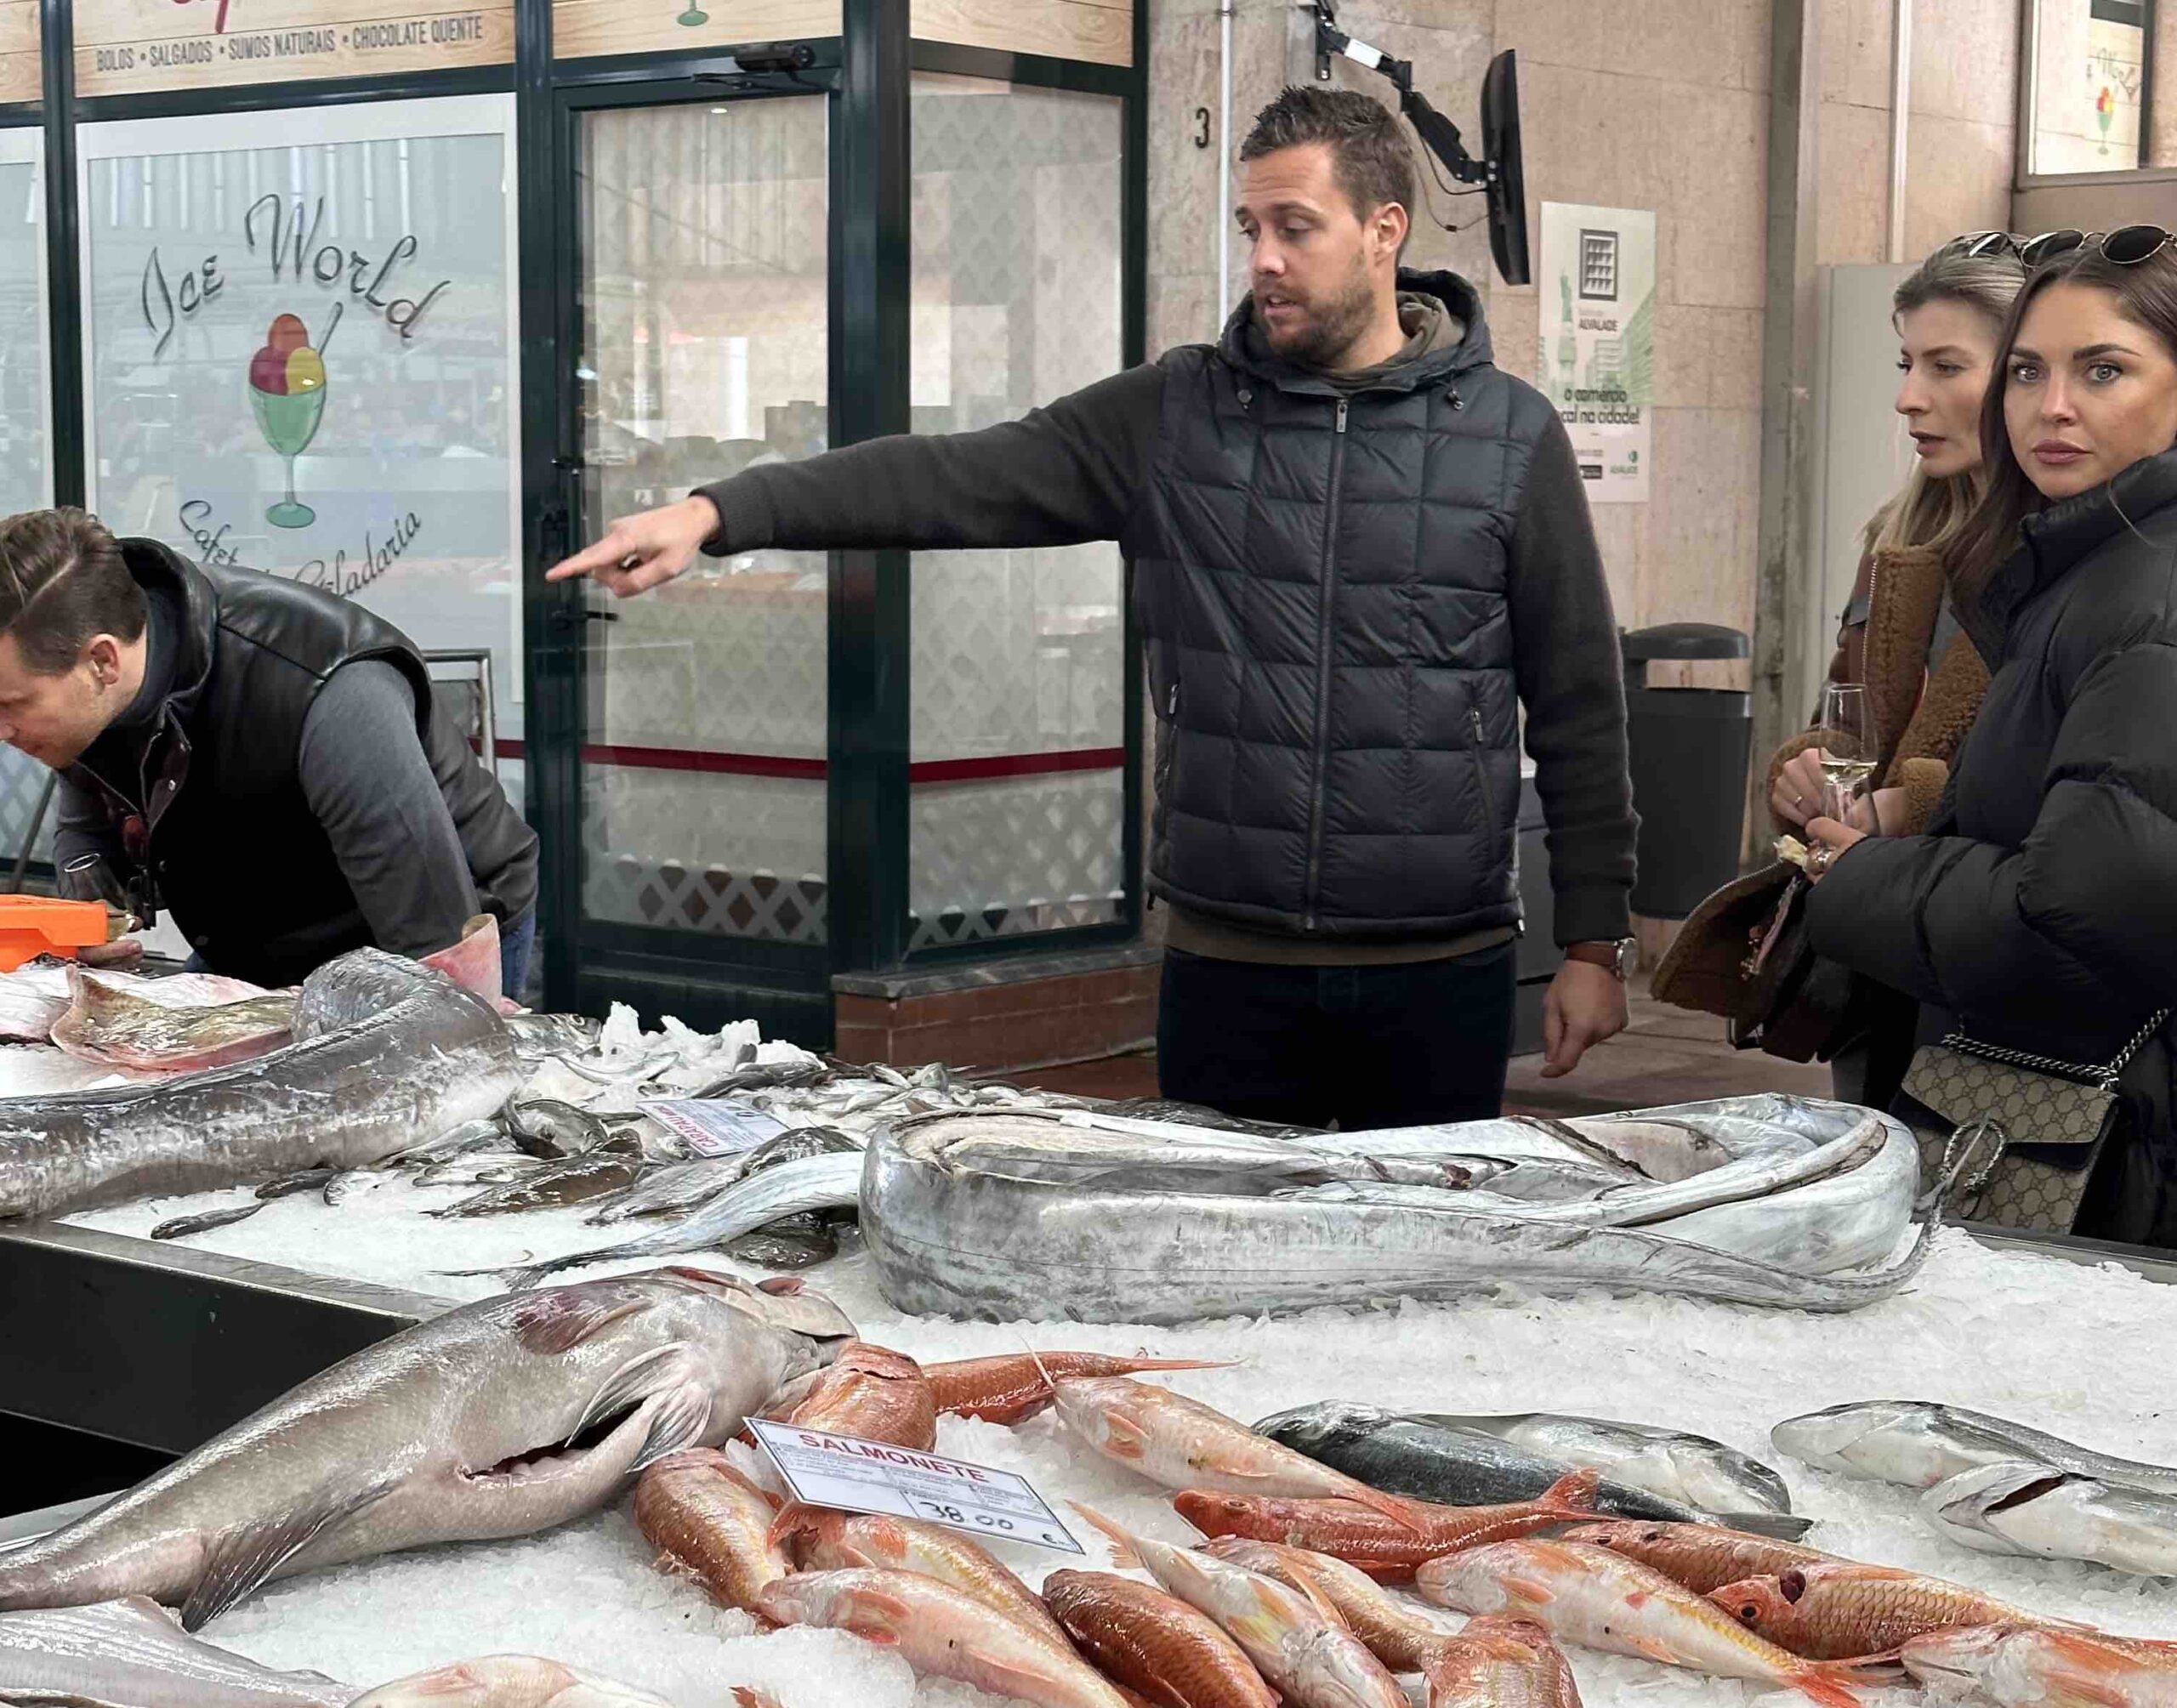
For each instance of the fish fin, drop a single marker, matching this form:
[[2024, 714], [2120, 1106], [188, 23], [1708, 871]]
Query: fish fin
[[682, 1419], [241, 1561], [1575, 1491], [1307, 1587], [1006, 1678], [639, 1379], [1654, 1648], [2084, 1677], [1534, 1590], [1816, 1681], [1780, 1526], [1124, 1439], [748, 1696], [1125, 1557]]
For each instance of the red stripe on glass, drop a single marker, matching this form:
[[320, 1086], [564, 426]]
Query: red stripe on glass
[[934, 772]]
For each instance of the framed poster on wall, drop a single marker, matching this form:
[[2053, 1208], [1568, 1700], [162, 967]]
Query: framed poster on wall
[[303, 357]]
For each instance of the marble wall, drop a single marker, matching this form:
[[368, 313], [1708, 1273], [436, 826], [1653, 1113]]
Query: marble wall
[[1656, 104]]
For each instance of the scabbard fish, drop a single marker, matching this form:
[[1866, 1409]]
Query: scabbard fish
[[1015, 1214], [498, 1419], [385, 1052]]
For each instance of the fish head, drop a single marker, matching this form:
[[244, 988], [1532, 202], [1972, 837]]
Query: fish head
[[1895, 1440], [1114, 1414], [1766, 1606], [784, 1302], [1216, 1514], [1335, 1669], [1951, 1663], [1327, 1423], [1479, 1580], [859, 1602]]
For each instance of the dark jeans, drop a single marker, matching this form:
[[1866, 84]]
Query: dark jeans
[[1356, 1047], [516, 940]]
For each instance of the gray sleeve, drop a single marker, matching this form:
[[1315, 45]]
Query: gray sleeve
[[82, 829], [1565, 658], [365, 774]]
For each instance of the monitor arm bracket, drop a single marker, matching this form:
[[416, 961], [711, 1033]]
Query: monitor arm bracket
[[1438, 133]]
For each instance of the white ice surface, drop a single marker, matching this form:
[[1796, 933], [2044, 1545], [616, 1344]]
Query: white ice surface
[[2085, 1352]]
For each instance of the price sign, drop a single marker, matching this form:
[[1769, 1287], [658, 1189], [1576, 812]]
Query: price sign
[[713, 1127], [858, 1476]]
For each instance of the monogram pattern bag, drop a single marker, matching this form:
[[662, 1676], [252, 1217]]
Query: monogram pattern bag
[[1994, 1099]]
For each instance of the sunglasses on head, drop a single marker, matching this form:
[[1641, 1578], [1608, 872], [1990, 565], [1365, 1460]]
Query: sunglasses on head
[[2127, 245]]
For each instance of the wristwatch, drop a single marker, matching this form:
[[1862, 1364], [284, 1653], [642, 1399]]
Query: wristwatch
[[1617, 958]]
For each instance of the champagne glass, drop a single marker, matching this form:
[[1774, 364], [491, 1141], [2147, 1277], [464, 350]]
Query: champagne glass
[[1848, 755]]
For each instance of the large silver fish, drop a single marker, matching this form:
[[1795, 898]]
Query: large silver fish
[[2055, 1515], [131, 1654], [981, 1216], [386, 1053], [1692, 1469], [498, 1419], [1919, 1443]]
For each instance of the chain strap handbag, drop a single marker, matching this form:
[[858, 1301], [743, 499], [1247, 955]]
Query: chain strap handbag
[[1995, 1099]]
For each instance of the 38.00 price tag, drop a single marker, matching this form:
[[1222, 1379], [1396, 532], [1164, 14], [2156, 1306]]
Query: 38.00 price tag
[[856, 1476]]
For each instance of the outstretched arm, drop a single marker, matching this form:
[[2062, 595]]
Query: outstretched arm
[[1058, 476]]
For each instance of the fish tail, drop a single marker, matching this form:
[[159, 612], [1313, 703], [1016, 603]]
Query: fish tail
[[1125, 1557], [1782, 1527], [1574, 1492], [1821, 1682]]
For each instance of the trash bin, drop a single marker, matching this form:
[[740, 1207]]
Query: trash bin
[[1690, 713]]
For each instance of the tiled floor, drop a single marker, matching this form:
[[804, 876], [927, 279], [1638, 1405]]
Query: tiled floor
[[1666, 1056]]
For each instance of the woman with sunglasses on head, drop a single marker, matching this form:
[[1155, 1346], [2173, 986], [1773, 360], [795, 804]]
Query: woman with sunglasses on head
[[1900, 637], [2039, 910]]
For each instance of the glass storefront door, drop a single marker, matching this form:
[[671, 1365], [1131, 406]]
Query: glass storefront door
[[702, 319]]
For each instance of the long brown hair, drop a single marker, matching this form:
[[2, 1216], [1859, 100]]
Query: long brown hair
[[1928, 510], [2146, 296]]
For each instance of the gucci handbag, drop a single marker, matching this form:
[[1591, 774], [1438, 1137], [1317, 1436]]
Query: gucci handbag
[[1992, 1100]]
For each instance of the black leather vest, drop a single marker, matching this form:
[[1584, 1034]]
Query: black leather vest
[[228, 844]]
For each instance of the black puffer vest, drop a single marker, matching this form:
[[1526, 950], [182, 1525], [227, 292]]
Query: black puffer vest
[[227, 843], [1322, 580]]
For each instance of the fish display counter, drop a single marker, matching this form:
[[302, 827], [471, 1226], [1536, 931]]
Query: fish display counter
[[1479, 1399]]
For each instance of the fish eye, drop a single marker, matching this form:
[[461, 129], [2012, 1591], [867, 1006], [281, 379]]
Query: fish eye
[[1749, 1613]]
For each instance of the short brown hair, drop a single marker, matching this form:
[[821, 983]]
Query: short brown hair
[[1368, 151], [62, 580]]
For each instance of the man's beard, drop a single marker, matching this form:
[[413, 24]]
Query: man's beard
[[1329, 331]]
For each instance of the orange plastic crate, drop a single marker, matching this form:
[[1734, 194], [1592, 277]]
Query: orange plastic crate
[[35, 925]]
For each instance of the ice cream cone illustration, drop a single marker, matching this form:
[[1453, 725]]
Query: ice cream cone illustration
[[2105, 113], [286, 390]]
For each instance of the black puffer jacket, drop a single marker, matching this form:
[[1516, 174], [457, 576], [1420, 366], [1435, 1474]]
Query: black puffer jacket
[[2040, 911]]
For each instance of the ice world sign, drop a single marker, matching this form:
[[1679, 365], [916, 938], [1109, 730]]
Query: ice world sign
[[301, 359], [1597, 360]]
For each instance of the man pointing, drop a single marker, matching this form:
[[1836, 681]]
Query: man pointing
[[1358, 550]]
